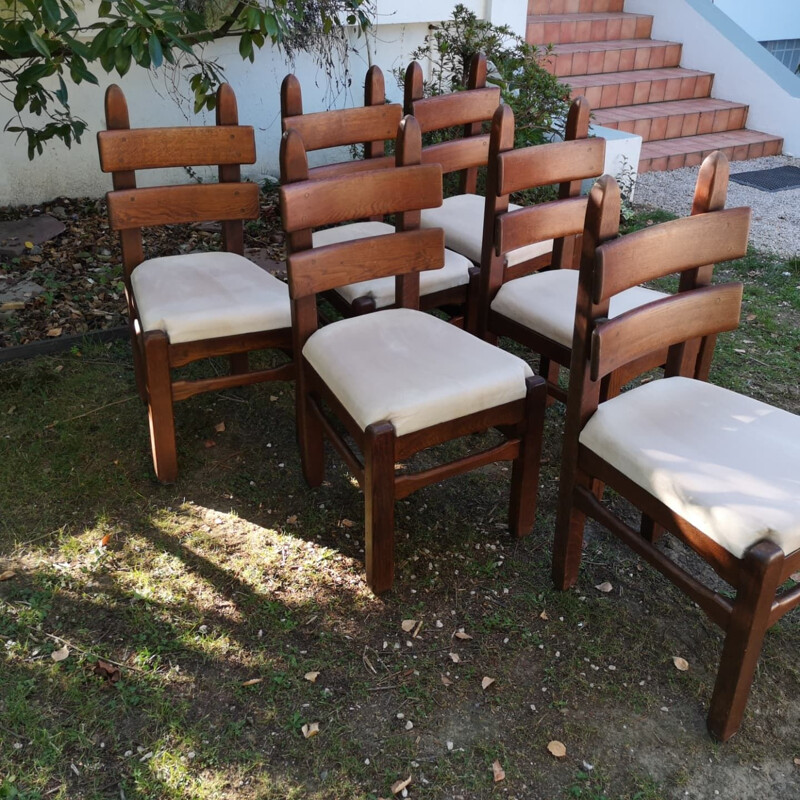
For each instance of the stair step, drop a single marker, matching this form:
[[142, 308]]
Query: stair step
[[573, 6], [641, 86], [688, 151], [678, 118], [591, 58], [566, 28]]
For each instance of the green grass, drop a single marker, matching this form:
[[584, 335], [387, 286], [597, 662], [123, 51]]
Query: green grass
[[217, 595]]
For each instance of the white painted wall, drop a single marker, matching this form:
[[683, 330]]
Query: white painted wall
[[744, 70], [764, 20]]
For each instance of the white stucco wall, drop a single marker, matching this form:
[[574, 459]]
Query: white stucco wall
[[764, 20], [743, 70]]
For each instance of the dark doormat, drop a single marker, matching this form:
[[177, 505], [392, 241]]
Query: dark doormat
[[770, 180]]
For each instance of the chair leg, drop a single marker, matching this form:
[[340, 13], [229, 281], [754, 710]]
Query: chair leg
[[159, 406], [379, 505], [312, 444], [525, 470], [549, 370], [472, 304], [760, 570], [138, 363], [568, 541], [650, 530]]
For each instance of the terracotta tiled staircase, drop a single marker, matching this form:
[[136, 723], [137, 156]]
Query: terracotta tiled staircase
[[636, 84]]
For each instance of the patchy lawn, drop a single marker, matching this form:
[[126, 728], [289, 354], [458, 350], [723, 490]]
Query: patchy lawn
[[206, 624]]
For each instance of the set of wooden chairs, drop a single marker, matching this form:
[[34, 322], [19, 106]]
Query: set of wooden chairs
[[715, 469]]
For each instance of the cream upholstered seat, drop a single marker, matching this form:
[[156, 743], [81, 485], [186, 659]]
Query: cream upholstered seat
[[461, 217], [382, 290], [208, 295], [545, 302], [725, 462], [412, 369]]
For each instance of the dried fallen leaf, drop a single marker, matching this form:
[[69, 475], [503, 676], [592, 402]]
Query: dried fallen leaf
[[750, 317], [347, 523], [446, 681], [311, 676], [461, 635], [557, 749], [253, 681], [486, 683], [8, 575], [209, 443], [54, 332], [60, 654], [797, 762], [220, 427], [310, 730], [680, 663], [795, 576], [604, 587], [455, 658], [106, 670], [105, 540], [498, 772], [398, 786], [408, 625], [292, 520], [543, 615]]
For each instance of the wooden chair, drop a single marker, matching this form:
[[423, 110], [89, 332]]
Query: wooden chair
[[715, 468], [538, 309], [373, 125], [399, 380], [187, 307], [461, 216]]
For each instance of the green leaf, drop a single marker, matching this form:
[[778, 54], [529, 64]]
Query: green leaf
[[39, 44], [246, 46], [122, 60], [51, 13], [156, 53]]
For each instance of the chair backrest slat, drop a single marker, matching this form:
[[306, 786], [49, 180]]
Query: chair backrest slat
[[459, 108], [537, 223], [342, 127], [458, 154], [678, 318], [544, 164], [675, 246], [361, 195], [170, 205], [323, 268], [154, 148]]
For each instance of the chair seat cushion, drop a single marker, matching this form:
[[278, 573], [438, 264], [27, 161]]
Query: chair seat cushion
[[461, 217], [206, 295], [455, 271], [412, 369], [726, 463], [545, 302]]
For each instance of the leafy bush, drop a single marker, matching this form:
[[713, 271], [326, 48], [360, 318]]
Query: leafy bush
[[537, 98]]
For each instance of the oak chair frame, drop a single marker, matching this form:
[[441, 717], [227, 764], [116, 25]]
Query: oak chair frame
[[227, 145], [567, 163], [687, 324], [312, 270]]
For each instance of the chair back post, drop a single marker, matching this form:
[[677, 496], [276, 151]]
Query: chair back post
[[477, 80], [501, 139], [374, 95], [291, 97], [566, 249], [227, 113], [710, 194], [408, 152], [413, 87], [583, 396], [117, 118]]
